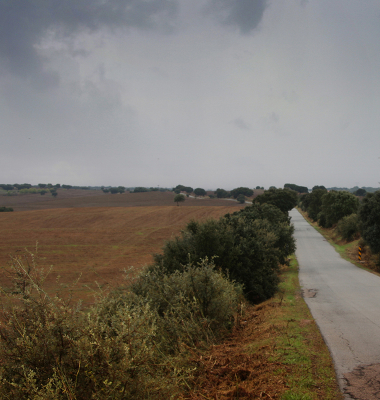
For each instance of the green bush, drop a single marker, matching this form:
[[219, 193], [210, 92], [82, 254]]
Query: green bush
[[248, 247], [369, 215], [129, 345], [336, 205], [348, 227], [196, 305], [241, 198], [6, 209]]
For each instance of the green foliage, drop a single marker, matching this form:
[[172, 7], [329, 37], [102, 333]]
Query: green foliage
[[221, 193], [200, 192], [284, 199], [42, 185], [241, 198], [312, 203], [6, 209], [336, 205], [140, 189], [296, 188], [43, 192], [360, 192], [348, 227], [119, 189], [369, 215], [247, 246], [66, 186], [178, 198], [127, 346], [316, 187], [241, 190], [182, 188]]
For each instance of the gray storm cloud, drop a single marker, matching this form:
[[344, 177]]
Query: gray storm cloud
[[244, 14], [23, 23]]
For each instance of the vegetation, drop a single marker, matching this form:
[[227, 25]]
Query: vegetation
[[182, 188], [348, 227], [284, 199], [369, 215], [296, 188], [221, 193], [140, 189], [241, 190], [200, 192], [130, 344], [6, 209], [247, 245], [178, 198], [335, 206], [241, 198]]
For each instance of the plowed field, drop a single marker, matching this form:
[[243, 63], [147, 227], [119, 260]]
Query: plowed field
[[96, 242]]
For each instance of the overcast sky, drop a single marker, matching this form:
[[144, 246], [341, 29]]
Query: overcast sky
[[204, 93]]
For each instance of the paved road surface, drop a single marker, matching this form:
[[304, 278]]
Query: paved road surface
[[343, 299]]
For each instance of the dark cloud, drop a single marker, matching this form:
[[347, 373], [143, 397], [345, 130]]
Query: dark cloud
[[240, 123], [24, 22], [243, 14]]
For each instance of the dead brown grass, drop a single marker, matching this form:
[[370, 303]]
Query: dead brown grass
[[97, 242]]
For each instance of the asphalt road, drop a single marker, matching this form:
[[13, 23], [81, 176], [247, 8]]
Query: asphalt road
[[343, 299]]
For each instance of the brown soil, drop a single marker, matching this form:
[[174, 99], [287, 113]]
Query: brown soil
[[74, 198], [363, 383], [231, 371], [96, 242]]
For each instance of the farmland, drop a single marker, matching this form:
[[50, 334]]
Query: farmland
[[96, 235]]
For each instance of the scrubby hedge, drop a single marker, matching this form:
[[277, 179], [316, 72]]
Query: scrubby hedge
[[129, 345], [248, 246]]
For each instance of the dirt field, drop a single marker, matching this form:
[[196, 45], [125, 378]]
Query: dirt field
[[74, 198], [98, 242]]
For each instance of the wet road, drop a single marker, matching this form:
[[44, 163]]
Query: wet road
[[343, 299]]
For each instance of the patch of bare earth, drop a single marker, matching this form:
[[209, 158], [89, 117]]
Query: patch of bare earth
[[363, 383], [230, 371]]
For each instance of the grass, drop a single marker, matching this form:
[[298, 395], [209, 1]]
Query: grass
[[293, 340]]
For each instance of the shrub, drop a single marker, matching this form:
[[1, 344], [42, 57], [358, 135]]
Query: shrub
[[348, 227], [6, 209], [336, 205], [247, 247], [241, 198], [196, 305], [369, 215], [129, 345]]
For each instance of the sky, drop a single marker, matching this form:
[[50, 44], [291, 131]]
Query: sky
[[203, 93]]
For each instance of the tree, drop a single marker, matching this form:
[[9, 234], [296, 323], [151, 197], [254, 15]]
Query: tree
[[318, 187], [178, 198], [360, 192], [369, 216], [241, 198], [221, 193], [284, 199], [200, 192], [336, 205], [248, 245], [296, 188], [241, 190], [312, 203], [54, 193]]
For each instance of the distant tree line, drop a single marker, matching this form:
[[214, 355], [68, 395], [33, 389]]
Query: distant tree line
[[344, 211]]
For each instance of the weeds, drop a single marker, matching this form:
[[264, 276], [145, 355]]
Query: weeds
[[128, 345]]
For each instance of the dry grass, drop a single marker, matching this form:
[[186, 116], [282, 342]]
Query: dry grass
[[96, 242]]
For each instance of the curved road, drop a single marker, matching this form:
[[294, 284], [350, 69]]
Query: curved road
[[345, 303]]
